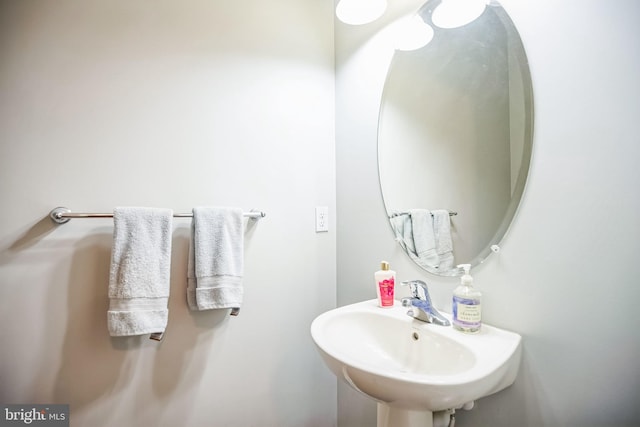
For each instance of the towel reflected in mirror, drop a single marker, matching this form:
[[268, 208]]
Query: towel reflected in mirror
[[426, 236]]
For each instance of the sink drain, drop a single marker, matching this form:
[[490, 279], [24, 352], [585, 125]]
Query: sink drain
[[415, 336]]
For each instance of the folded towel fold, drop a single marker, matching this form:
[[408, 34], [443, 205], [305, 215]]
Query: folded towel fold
[[140, 270], [424, 237], [443, 241], [216, 259], [401, 225]]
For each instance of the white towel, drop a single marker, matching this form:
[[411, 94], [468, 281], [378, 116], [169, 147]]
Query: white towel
[[424, 238], [140, 269], [443, 241], [216, 259], [401, 225]]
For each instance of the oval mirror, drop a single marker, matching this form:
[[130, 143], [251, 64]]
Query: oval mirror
[[455, 140]]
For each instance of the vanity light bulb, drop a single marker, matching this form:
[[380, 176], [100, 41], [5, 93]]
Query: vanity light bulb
[[456, 13], [359, 12]]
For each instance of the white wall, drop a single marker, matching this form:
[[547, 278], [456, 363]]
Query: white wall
[[565, 277], [167, 104]]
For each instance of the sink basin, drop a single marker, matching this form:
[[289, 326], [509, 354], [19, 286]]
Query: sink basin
[[412, 366]]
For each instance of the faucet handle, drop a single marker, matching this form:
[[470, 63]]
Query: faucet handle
[[418, 289]]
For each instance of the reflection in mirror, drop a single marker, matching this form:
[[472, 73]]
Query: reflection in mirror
[[454, 140]]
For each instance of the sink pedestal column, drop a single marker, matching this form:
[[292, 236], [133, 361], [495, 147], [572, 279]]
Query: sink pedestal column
[[398, 417]]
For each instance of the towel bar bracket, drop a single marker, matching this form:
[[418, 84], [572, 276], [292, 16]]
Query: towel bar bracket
[[57, 215]]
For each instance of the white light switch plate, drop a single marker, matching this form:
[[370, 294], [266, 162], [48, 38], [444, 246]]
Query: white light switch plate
[[322, 218]]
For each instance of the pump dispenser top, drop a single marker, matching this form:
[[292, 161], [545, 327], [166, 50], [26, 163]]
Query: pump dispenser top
[[466, 277]]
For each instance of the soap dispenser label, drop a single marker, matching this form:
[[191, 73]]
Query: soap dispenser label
[[467, 311], [386, 289]]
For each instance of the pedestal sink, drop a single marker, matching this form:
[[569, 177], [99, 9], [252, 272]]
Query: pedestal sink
[[411, 368]]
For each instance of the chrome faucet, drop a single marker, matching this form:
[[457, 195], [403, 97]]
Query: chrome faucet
[[420, 306]]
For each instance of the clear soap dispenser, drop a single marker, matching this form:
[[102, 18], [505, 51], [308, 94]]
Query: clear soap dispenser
[[467, 311]]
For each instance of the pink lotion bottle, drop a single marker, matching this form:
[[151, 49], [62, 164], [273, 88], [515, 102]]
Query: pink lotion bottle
[[385, 283]]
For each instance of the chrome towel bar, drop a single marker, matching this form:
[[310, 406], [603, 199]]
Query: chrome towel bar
[[61, 215], [451, 213]]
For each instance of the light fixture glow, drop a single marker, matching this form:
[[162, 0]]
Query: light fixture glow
[[456, 13], [358, 12], [412, 33]]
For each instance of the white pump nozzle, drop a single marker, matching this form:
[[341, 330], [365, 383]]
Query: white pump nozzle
[[465, 267], [466, 279]]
